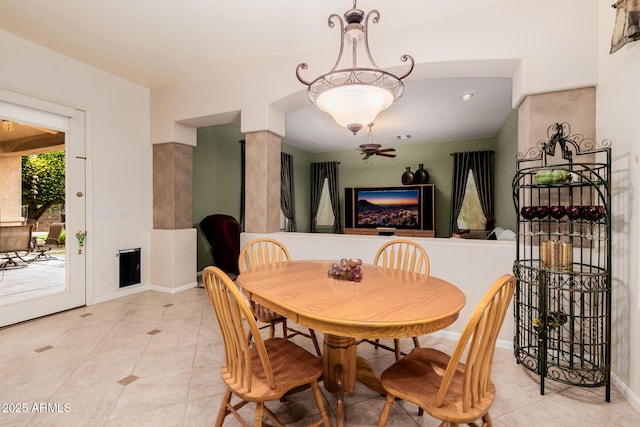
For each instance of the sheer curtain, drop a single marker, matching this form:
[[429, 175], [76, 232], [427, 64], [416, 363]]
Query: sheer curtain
[[287, 201], [320, 172], [480, 163]]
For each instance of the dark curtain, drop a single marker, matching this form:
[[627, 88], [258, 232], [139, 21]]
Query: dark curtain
[[317, 179], [242, 183], [483, 174], [332, 175], [480, 163], [320, 172], [458, 187], [287, 201]]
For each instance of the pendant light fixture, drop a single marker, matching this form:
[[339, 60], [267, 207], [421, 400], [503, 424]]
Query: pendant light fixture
[[354, 96]]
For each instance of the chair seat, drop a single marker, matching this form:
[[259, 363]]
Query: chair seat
[[292, 367], [417, 378], [264, 371]]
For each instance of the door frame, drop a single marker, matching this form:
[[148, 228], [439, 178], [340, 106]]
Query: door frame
[[73, 122]]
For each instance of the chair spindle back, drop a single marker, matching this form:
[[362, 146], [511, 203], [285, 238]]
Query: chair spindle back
[[404, 255], [234, 316], [478, 340], [262, 251]]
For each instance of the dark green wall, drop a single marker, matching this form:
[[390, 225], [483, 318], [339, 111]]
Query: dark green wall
[[436, 157], [383, 171], [505, 158], [217, 175]]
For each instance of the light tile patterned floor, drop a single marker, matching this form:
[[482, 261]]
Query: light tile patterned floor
[[153, 359]]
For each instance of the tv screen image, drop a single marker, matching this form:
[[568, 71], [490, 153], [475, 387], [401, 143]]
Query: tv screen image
[[388, 207]]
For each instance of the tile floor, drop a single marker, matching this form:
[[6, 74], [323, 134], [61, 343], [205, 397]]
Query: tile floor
[[153, 359]]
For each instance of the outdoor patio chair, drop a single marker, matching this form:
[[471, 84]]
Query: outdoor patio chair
[[52, 241]]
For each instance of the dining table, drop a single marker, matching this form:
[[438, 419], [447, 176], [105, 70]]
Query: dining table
[[385, 303]]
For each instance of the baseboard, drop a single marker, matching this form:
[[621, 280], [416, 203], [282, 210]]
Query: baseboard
[[629, 395], [122, 292], [136, 289], [173, 290], [455, 336]]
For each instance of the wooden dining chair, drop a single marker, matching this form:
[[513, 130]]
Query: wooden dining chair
[[265, 251], [404, 255], [448, 388], [265, 371]]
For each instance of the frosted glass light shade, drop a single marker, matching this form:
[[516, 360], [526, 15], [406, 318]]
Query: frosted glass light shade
[[354, 105]]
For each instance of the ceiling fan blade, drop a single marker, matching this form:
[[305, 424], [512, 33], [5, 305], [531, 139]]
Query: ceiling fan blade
[[386, 155], [366, 156], [386, 150]]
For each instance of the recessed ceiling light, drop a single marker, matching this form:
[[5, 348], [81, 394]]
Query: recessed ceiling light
[[404, 136], [467, 96]]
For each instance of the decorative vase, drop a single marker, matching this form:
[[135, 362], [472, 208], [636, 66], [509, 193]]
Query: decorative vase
[[407, 177], [421, 176]]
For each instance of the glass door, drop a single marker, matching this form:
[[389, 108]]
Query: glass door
[[48, 274]]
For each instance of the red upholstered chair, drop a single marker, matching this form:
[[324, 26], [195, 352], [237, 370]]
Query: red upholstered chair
[[223, 234]]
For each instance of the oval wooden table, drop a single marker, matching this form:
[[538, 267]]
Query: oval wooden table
[[387, 303]]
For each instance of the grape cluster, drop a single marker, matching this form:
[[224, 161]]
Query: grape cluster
[[346, 269]]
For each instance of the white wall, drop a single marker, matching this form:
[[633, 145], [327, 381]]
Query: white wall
[[617, 97], [119, 183], [465, 263], [557, 43], [469, 44]]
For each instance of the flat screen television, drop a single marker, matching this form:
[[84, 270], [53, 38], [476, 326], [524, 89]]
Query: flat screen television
[[392, 207]]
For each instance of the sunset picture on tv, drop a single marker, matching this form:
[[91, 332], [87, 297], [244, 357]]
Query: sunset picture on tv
[[389, 208]]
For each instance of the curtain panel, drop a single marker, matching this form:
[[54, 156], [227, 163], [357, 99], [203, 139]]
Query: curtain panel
[[458, 187], [320, 172], [287, 200], [479, 162]]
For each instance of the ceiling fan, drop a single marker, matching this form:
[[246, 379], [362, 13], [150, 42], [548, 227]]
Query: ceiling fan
[[372, 149]]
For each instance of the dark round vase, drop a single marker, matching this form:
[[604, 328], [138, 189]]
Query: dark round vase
[[407, 177], [421, 176]]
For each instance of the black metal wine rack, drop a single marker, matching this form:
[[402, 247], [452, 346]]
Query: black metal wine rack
[[562, 305]]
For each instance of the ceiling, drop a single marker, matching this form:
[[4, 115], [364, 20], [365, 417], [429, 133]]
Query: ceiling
[[22, 139], [157, 43]]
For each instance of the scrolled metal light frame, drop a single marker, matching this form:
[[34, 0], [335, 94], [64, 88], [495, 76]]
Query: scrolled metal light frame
[[371, 76]]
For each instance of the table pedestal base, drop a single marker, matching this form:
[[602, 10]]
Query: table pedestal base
[[342, 368], [339, 363], [339, 369]]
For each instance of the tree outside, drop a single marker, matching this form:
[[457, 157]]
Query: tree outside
[[43, 184]]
